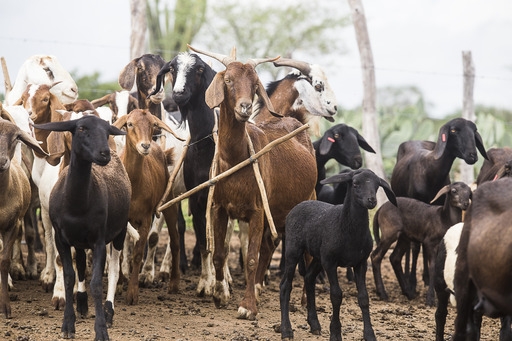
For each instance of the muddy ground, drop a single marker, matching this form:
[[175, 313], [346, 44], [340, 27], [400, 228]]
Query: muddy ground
[[185, 316]]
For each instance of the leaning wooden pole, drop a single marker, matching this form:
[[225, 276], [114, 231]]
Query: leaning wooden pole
[[7, 79], [209, 201], [214, 180]]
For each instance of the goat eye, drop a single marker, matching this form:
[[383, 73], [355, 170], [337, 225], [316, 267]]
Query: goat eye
[[81, 129], [129, 125], [336, 136], [226, 80], [200, 70], [319, 87], [453, 131]]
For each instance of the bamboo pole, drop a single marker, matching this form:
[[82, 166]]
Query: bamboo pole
[[214, 180]]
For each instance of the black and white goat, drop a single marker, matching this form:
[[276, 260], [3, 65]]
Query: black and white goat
[[88, 208], [334, 235]]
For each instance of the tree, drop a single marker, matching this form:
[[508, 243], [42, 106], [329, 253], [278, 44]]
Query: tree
[[139, 28], [171, 30], [266, 29]]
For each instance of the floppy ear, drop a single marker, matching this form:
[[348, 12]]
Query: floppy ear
[[442, 139], [264, 96], [338, 178], [162, 125], [480, 145], [120, 122], [127, 75], [389, 192], [441, 192], [112, 130], [102, 101], [363, 144], [57, 126], [326, 143], [214, 95], [32, 143]]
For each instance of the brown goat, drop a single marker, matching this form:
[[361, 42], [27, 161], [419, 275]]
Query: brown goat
[[146, 164], [288, 171], [14, 198]]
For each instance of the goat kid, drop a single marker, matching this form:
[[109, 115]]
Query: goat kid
[[146, 165], [334, 236], [414, 220], [89, 207]]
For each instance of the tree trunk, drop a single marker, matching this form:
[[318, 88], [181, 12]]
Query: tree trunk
[[139, 28], [467, 173], [370, 117]]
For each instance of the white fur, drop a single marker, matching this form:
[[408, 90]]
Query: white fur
[[451, 241], [185, 63]]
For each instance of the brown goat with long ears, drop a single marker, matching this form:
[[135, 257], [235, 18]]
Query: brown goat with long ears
[[288, 171]]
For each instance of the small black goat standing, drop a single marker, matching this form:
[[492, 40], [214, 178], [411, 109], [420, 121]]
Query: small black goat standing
[[334, 235], [88, 208]]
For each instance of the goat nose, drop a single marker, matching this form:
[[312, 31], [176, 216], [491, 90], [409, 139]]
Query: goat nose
[[145, 145], [372, 202], [246, 106]]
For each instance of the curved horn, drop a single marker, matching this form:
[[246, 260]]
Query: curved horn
[[220, 57], [303, 67], [257, 61]]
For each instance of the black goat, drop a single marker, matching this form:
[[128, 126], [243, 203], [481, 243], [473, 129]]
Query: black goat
[[334, 235], [414, 220], [483, 267], [423, 168], [190, 77], [88, 208]]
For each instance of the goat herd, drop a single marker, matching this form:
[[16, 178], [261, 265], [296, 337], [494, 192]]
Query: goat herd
[[100, 175]]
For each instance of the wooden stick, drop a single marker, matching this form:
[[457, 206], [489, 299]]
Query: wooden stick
[[209, 202], [263, 192], [234, 169], [175, 171], [7, 79]]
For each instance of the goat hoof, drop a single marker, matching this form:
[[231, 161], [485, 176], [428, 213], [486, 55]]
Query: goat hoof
[[68, 335], [316, 332], [245, 314], [58, 303], [164, 276], [109, 314]]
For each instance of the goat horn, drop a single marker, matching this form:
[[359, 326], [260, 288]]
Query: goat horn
[[220, 57], [303, 67], [257, 61]]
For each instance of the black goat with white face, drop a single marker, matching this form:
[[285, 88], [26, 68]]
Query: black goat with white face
[[190, 77]]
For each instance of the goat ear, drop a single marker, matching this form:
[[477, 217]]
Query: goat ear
[[127, 76], [214, 95], [32, 143], [120, 122], [480, 145], [363, 144], [101, 101], [441, 192], [264, 96], [338, 178], [54, 159], [442, 140], [113, 130], [169, 156], [55, 142], [57, 126], [326, 143], [389, 192], [5, 115]]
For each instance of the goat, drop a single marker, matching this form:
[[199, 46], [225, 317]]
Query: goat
[[482, 269], [43, 107], [423, 167], [444, 285], [190, 77], [415, 220], [497, 158], [288, 172], [43, 69], [142, 72], [14, 199], [89, 207], [146, 165], [333, 235], [18, 115]]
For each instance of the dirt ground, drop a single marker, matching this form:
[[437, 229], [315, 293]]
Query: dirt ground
[[185, 316]]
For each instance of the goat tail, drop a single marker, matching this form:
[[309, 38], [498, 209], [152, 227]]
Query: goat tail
[[132, 232], [376, 229]]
